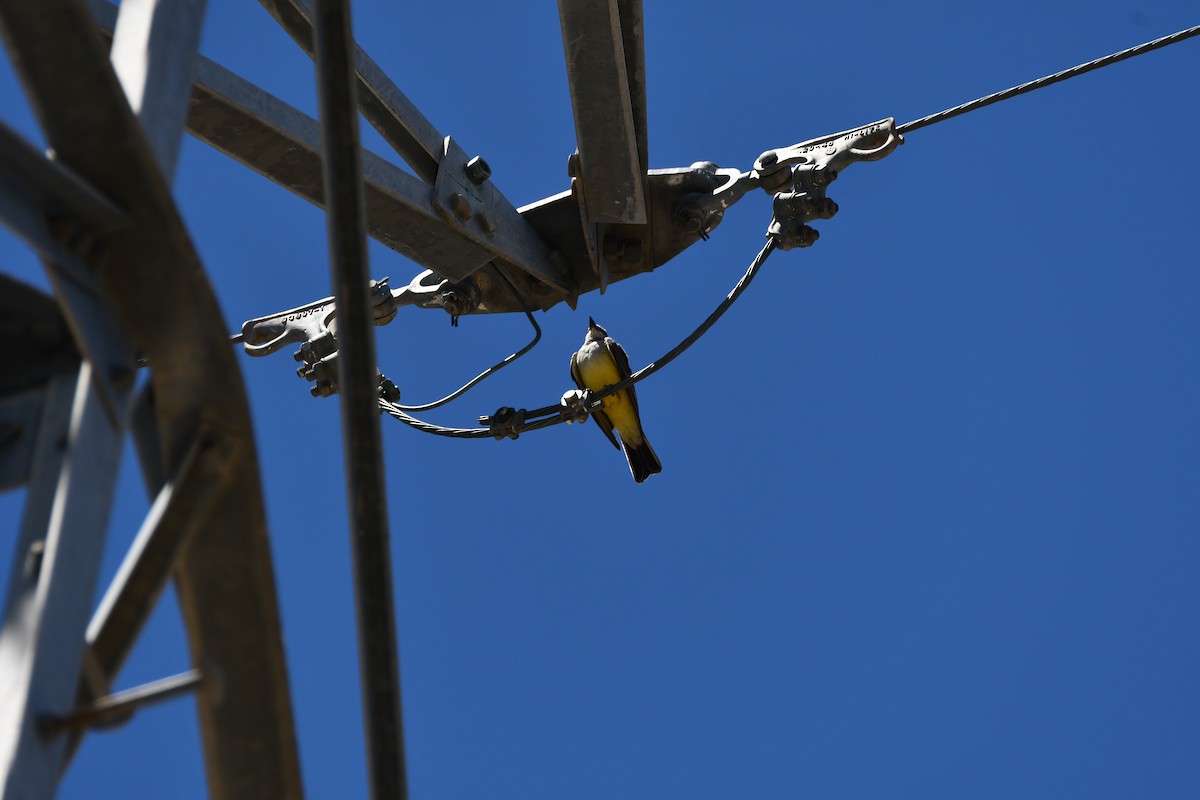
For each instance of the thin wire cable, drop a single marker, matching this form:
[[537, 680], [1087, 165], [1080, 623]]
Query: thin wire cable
[[656, 365], [429, 427], [565, 415], [1006, 94], [492, 370]]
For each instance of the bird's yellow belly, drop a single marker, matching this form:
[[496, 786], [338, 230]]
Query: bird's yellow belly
[[597, 370]]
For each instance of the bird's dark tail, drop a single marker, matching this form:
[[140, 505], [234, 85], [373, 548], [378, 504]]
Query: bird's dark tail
[[642, 461]]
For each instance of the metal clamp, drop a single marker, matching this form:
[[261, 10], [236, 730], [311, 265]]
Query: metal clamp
[[265, 335], [575, 406], [506, 422], [808, 168], [805, 168], [811, 162]]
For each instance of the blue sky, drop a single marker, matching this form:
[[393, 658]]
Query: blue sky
[[929, 519]]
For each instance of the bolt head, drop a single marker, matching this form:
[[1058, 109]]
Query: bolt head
[[477, 170], [461, 207]]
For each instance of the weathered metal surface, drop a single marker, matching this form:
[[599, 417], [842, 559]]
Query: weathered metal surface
[[284, 145], [382, 103], [52, 580], [179, 509], [472, 205], [630, 249], [366, 490], [601, 49], [153, 282], [63, 218], [153, 50], [115, 709]]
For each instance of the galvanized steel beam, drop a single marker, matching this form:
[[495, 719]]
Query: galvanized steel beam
[[53, 576], [602, 43], [153, 282], [381, 102], [153, 50], [283, 144]]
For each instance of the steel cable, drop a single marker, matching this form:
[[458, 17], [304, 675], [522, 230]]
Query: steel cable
[[537, 336], [562, 414], [594, 400], [1057, 77]]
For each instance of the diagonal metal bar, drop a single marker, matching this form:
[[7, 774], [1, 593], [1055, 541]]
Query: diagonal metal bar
[[50, 587], [154, 48], [383, 105], [283, 144], [492, 222], [154, 283], [378, 657], [179, 510], [116, 708]]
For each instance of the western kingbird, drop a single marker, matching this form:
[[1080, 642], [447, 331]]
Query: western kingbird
[[602, 362]]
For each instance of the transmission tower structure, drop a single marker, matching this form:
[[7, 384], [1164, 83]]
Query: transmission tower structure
[[133, 343]]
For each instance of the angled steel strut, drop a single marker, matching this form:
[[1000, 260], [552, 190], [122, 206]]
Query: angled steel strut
[[686, 206]]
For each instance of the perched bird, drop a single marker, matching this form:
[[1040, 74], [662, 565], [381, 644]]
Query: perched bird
[[602, 362]]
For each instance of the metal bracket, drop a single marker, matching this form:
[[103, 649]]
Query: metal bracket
[[808, 168], [471, 205], [265, 335], [833, 153]]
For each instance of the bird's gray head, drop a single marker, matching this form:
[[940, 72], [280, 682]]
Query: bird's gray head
[[594, 332]]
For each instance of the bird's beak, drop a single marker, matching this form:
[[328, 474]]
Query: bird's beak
[[591, 322]]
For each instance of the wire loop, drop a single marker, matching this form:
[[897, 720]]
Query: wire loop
[[510, 423]]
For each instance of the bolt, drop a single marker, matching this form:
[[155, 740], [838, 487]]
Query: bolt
[[486, 222], [388, 390], [690, 217], [573, 165], [460, 206], [477, 170], [768, 159]]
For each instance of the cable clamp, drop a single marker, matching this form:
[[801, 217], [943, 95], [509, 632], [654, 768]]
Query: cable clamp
[[506, 423], [575, 406]]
